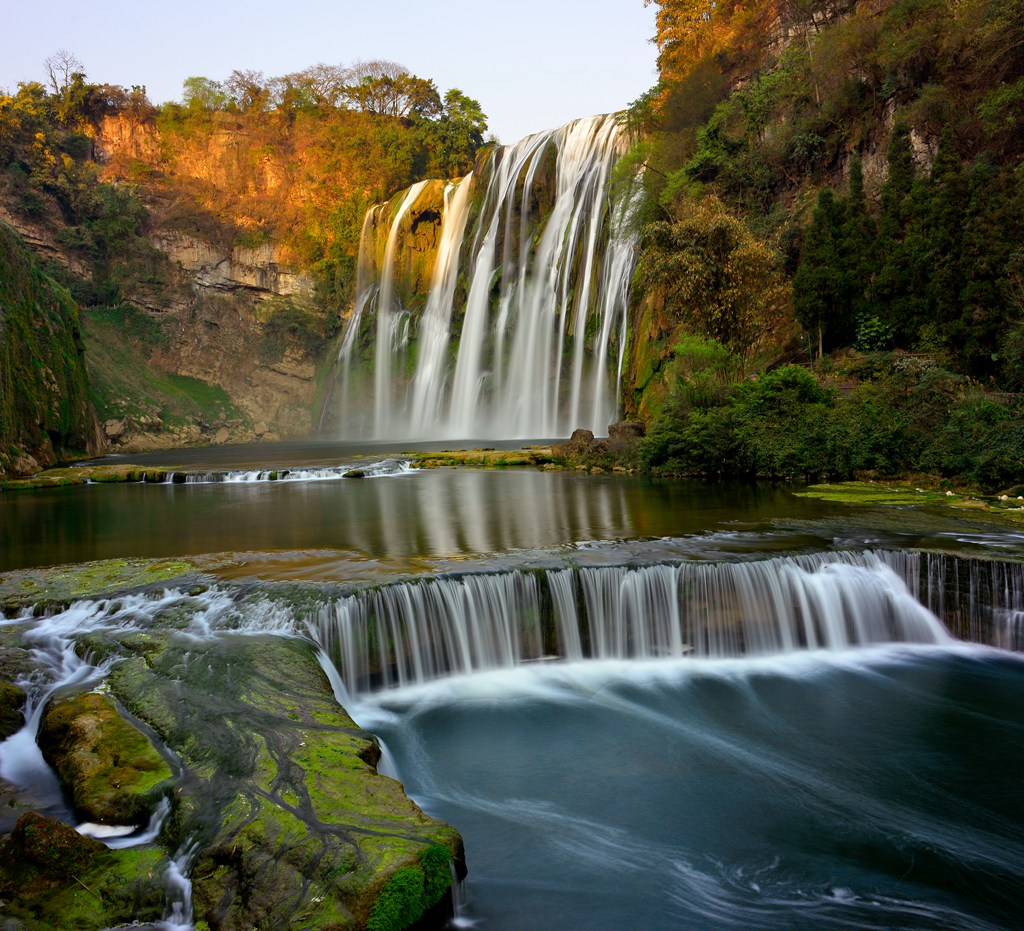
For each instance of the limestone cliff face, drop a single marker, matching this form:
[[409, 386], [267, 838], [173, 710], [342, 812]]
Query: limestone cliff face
[[220, 299], [45, 412], [259, 271]]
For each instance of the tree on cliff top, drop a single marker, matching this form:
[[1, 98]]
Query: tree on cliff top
[[388, 89]]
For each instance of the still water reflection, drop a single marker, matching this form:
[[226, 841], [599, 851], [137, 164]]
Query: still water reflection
[[430, 514]]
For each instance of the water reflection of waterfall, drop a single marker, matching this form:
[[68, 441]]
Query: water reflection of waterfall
[[522, 332]]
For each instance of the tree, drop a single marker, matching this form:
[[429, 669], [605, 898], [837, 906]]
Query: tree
[[61, 67], [455, 137], [319, 85], [388, 89], [818, 286], [203, 94], [683, 32], [248, 90], [710, 272]]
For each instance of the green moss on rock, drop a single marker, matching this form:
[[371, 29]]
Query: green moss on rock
[[110, 769], [12, 699], [298, 829]]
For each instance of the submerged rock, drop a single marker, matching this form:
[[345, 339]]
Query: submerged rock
[[110, 769]]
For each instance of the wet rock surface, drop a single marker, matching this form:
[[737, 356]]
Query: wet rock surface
[[110, 770]]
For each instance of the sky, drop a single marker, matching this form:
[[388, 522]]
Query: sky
[[532, 64]]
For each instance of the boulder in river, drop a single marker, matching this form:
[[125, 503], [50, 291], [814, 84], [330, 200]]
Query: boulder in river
[[109, 768]]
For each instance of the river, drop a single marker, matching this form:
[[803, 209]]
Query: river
[[814, 743]]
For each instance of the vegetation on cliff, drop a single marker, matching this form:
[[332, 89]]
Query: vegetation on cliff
[[870, 156], [45, 412]]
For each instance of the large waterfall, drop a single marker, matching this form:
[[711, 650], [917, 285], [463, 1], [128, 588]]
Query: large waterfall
[[495, 306]]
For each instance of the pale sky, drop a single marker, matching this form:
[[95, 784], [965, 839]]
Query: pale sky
[[532, 64]]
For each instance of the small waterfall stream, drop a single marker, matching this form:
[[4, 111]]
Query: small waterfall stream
[[523, 329]]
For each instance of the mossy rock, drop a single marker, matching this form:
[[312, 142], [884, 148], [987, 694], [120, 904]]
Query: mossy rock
[[109, 768], [12, 700], [298, 829], [482, 458], [53, 847], [51, 878], [59, 585]]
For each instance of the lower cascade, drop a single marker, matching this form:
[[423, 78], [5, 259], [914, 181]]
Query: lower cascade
[[495, 306], [407, 634]]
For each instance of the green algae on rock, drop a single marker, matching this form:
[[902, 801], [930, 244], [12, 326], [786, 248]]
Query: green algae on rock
[[11, 701], [111, 771], [296, 827]]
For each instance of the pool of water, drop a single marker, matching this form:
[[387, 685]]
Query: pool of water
[[878, 788]]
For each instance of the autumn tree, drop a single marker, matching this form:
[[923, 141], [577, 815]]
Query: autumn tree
[[248, 90]]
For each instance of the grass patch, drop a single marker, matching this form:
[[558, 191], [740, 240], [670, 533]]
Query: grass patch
[[124, 381]]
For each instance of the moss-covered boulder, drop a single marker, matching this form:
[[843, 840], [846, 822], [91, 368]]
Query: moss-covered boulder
[[53, 847], [296, 829], [51, 877], [109, 768], [12, 699]]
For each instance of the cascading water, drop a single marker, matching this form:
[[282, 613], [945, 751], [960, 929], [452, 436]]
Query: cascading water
[[523, 329], [410, 633]]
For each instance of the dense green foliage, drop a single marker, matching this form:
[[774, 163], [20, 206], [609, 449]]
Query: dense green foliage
[[770, 109], [44, 389], [895, 414], [873, 152], [935, 273]]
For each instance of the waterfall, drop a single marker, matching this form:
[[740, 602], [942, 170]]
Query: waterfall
[[409, 633], [403, 633], [523, 329]]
